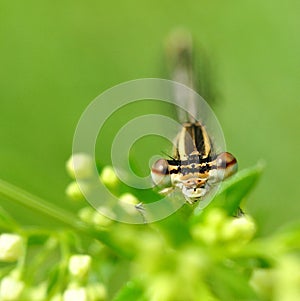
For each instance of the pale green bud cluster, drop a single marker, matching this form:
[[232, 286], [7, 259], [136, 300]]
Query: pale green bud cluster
[[11, 288], [76, 293], [109, 177], [103, 217], [91, 292], [128, 202], [239, 229], [36, 293], [79, 265], [281, 282], [171, 274], [73, 191], [96, 292], [83, 165], [219, 228], [80, 166], [179, 272], [11, 247]]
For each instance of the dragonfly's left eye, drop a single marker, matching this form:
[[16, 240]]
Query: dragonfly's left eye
[[160, 172]]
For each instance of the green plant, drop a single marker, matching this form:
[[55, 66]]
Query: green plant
[[191, 255]]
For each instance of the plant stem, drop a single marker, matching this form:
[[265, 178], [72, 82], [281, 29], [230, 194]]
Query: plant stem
[[35, 203]]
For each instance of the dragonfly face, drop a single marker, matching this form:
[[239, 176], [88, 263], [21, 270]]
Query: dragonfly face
[[194, 167]]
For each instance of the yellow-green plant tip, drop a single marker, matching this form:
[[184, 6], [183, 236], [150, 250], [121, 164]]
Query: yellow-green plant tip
[[97, 292], [79, 265], [73, 191], [239, 229], [103, 216], [11, 247], [192, 263], [86, 214], [129, 198], [11, 289], [163, 288], [75, 294], [215, 218], [36, 293], [128, 202], [101, 220], [80, 166], [208, 235], [108, 176]]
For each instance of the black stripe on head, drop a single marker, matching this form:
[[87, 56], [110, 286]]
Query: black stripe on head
[[195, 169]]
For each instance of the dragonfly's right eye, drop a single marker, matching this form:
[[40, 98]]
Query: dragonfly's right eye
[[160, 172]]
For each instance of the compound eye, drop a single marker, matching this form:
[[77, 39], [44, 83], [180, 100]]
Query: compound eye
[[160, 171], [227, 164]]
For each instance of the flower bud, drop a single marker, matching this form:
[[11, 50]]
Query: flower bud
[[76, 191], [206, 234], [86, 214], [36, 293], [11, 289], [215, 218], [73, 191], [209, 230], [102, 219], [97, 292], [192, 262], [129, 198], [109, 177], [79, 265], [239, 229], [163, 288], [75, 294], [128, 201], [80, 166], [11, 247]]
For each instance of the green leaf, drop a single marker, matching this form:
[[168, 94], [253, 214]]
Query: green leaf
[[132, 290], [230, 285], [57, 279], [53, 279], [234, 189], [6, 221]]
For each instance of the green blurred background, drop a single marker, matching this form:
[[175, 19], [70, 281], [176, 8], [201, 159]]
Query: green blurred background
[[56, 56]]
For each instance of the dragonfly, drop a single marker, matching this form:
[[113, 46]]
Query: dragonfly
[[194, 167]]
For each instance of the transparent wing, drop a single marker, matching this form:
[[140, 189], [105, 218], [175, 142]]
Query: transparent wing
[[180, 60], [170, 203], [192, 71]]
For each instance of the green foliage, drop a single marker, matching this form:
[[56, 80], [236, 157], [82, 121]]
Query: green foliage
[[191, 255]]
